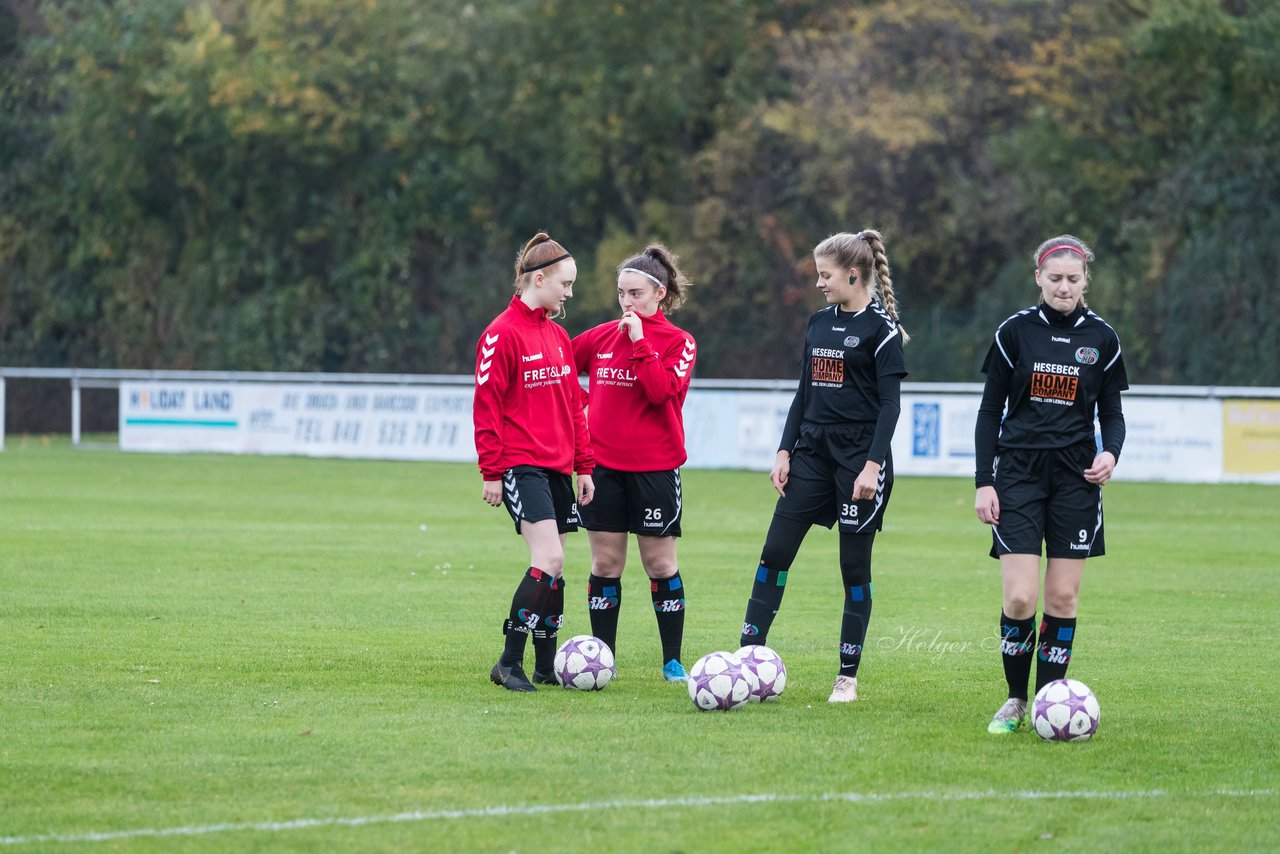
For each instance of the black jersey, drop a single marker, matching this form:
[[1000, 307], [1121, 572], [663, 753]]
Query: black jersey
[[846, 356], [1050, 373]]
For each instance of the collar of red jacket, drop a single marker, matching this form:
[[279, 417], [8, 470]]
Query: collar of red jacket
[[656, 317], [533, 315]]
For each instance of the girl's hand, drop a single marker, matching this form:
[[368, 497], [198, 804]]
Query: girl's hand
[[586, 490], [631, 323], [781, 472], [987, 505], [1104, 464], [868, 480]]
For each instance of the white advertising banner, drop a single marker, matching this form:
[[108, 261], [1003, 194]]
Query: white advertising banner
[[935, 434], [1176, 439], [741, 429], [1169, 438], [734, 429], [321, 420]]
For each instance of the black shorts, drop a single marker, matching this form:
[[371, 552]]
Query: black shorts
[[532, 494], [645, 503], [825, 463], [1044, 498]]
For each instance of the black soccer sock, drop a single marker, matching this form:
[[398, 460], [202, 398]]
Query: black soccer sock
[[780, 547], [527, 606], [1017, 639], [855, 571], [544, 637], [604, 600], [1054, 652], [668, 606]]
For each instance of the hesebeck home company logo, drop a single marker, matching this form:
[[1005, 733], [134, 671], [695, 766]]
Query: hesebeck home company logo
[[1087, 356]]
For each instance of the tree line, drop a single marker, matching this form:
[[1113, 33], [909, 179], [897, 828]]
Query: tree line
[[327, 185]]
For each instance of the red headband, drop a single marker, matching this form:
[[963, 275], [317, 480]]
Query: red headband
[[1060, 246]]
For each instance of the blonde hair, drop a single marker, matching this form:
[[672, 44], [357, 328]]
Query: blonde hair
[[659, 263], [865, 253]]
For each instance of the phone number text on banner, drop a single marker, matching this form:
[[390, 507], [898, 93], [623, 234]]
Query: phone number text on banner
[[382, 422]]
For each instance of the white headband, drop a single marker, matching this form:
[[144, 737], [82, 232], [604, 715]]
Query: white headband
[[653, 279]]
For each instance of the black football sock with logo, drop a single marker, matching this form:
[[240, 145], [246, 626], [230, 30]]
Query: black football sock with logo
[[668, 606], [544, 638], [1054, 652], [855, 571], [526, 606], [1017, 639], [604, 600], [780, 547]]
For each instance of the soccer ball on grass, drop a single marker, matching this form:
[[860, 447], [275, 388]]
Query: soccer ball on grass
[[585, 663], [1065, 710], [771, 673], [721, 681]]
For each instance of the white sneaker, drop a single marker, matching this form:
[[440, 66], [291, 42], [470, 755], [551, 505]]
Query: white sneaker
[[845, 690]]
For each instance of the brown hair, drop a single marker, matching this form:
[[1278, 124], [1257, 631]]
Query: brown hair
[[659, 262], [535, 255], [865, 253], [1069, 244]]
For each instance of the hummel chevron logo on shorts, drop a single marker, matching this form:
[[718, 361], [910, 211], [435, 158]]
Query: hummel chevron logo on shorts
[[513, 493], [875, 511]]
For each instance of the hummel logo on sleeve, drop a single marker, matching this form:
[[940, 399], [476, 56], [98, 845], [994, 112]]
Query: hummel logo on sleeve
[[486, 357], [682, 368]]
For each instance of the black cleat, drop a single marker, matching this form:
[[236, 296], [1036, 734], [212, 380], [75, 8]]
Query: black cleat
[[512, 678], [540, 678]]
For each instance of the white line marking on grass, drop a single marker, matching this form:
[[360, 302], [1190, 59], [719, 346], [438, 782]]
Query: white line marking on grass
[[591, 806]]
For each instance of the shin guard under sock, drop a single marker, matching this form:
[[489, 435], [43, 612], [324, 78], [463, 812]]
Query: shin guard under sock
[[762, 607], [668, 606], [855, 572], [1054, 652], [604, 599], [527, 606], [780, 547], [545, 637], [1017, 639]]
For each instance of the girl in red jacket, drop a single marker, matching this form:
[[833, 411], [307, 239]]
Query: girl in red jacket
[[531, 433], [639, 369]]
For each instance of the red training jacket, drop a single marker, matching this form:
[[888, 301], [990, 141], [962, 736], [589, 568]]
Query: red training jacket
[[637, 392], [527, 410]]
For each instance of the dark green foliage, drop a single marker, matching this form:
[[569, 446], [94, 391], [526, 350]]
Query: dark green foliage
[[327, 185]]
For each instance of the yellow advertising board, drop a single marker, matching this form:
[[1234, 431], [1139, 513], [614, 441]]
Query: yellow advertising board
[[1250, 436]]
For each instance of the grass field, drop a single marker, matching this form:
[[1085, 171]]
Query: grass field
[[222, 653]]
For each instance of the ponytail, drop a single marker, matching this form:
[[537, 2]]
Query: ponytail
[[882, 280]]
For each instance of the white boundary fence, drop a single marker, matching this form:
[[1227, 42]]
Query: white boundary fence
[[1200, 434]]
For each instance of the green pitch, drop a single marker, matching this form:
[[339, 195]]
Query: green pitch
[[207, 652]]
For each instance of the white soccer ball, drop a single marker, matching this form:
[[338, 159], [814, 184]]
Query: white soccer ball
[[720, 681], [771, 673], [584, 662], [1065, 710]]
